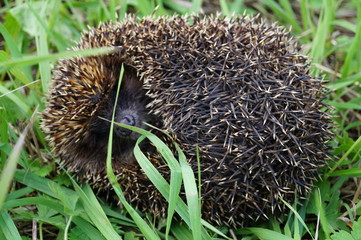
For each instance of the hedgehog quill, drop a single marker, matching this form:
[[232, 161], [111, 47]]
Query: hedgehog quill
[[235, 87]]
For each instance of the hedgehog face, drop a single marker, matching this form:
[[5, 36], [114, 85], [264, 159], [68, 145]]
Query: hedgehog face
[[130, 108]]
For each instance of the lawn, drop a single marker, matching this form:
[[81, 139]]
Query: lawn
[[40, 200]]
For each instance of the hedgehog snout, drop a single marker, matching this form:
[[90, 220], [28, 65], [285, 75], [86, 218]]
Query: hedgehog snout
[[128, 116], [127, 119]]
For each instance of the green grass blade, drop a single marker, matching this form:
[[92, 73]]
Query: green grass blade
[[322, 214], [191, 195], [123, 9], [286, 16], [342, 159], [15, 53], [225, 8], [345, 105], [42, 48], [266, 234], [306, 16], [175, 186], [353, 50], [11, 43], [34, 181], [143, 226], [31, 60], [70, 5], [176, 6], [286, 4], [95, 212], [323, 30], [161, 184], [10, 167], [158, 180], [85, 226], [19, 193], [7, 227], [345, 82], [112, 11], [298, 217], [196, 6], [181, 231], [19, 73], [353, 172], [19, 100], [345, 24], [48, 202], [115, 214]]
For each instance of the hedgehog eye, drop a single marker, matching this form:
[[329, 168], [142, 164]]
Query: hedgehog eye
[[96, 98]]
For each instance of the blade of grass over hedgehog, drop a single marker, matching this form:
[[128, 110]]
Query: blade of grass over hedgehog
[[158, 180], [175, 180], [7, 174], [199, 177], [31, 60], [190, 187], [162, 185], [143, 226], [175, 186], [8, 229]]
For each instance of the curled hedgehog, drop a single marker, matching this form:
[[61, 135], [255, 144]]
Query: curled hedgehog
[[236, 88]]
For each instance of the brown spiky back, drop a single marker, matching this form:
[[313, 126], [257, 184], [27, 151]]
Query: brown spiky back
[[231, 86]]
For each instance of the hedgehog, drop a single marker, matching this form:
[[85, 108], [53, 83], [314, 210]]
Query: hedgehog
[[235, 88]]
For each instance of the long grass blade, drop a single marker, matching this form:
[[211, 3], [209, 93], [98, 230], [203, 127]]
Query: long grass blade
[[10, 166], [31, 60], [158, 180], [7, 227], [143, 226], [190, 187], [95, 212]]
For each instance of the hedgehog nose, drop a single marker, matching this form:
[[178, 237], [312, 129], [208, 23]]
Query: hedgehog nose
[[127, 120]]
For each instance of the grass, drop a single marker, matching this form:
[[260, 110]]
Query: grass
[[35, 196]]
